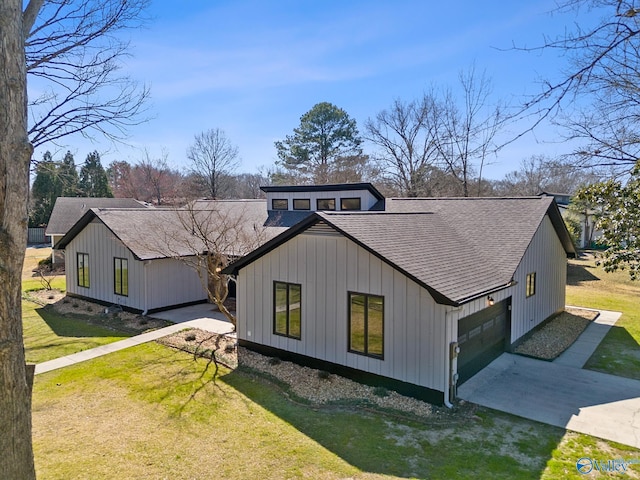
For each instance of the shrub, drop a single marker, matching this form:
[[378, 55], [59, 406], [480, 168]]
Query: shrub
[[229, 348], [274, 361], [190, 337], [323, 375], [380, 392], [75, 305]]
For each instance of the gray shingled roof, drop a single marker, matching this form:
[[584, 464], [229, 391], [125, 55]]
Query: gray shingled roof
[[499, 228], [457, 248], [426, 248], [68, 210], [234, 227]]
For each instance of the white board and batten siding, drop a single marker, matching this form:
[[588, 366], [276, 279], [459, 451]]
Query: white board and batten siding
[[548, 259], [152, 284], [328, 267]]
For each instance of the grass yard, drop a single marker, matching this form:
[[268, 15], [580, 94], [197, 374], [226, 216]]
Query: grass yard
[[590, 286], [48, 335], [154, 412]]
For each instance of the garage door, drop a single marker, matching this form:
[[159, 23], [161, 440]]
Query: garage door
[[482, 338]]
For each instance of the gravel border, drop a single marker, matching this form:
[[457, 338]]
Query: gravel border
[[557, 335], [316, 387]]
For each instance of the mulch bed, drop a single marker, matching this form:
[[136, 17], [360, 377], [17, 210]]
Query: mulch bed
[[557, 335]]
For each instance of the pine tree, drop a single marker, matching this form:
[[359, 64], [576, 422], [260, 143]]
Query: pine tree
[[68, 176], [93, 178], [45, 190]]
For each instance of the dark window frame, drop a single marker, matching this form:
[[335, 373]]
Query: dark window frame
[[274, 200], [123, 262], [288, 333], [84, 281], [351, 209], [366, 352], [531, 284], [308, 200], [318, 200]]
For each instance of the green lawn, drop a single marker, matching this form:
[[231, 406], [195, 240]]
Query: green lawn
[[48, 335], [590, 286], [32, 284], [153, 412]]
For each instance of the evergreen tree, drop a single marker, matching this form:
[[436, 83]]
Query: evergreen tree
[[68, 176], [44, 192], [93, 178], [325, 148]]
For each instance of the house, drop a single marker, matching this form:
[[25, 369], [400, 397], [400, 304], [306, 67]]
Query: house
[[587, 219], [68, 210], [146, 260], [413, 294]]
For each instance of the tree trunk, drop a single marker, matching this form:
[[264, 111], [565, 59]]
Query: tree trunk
[[16, 458]]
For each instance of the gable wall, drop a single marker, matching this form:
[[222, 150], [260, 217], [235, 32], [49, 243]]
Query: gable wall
[[547, 258], [168, 282], [328, 266]]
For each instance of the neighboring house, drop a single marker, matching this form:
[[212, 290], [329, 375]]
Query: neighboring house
[[68, 210], [587, 219], [147, 260], [417, 296]]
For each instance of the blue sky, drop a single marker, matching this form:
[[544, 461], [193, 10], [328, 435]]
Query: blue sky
[[252, 68]]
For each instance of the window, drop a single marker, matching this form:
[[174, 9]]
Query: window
[[350, 204], [531, 284], [326, 204], [280, 204], [287, 307], [83, 269], [121, 276], [301, 204], [366, 324]]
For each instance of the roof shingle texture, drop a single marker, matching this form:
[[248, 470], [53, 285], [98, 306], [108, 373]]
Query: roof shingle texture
[[68, 210], [460, 248], [232, 227]]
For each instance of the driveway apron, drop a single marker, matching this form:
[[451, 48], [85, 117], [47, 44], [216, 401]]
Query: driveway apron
[[597, 404]]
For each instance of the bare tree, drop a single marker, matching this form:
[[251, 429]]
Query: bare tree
[[539, 173], [213, 158], [75, 49], [207, 235], [467, 130], [596, 96], [159, 182], [406, 135], [71, 45]]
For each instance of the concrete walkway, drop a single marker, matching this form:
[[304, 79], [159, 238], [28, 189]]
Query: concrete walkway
[[562, 394], [578, 353], [191, 318]]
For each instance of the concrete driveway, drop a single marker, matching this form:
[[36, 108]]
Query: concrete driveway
[[594, 403]]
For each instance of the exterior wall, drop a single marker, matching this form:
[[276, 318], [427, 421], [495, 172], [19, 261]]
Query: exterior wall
[[152, 284], [416, 335], [367, 200], [547, 258]]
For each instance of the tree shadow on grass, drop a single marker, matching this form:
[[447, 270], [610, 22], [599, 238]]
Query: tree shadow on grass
[[468, 442], [75, 325]]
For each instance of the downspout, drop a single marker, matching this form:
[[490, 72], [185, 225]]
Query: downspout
[[146, 296], [449, 391]]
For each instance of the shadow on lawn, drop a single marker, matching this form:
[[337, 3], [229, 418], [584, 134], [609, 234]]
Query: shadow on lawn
[[75, 325], [465, 443], [577, 274], [618, 354]]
